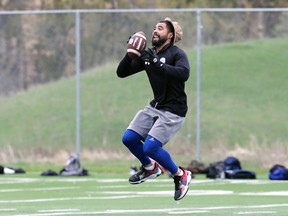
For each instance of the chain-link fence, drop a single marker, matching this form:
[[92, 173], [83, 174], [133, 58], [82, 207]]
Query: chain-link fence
[[40, 47]]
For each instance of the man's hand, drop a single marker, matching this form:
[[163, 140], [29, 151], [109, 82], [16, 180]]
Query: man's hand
[[150, 57], [130, 38]]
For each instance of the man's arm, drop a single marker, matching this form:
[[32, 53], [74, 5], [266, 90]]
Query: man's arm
[[127, 67], [181, 70]]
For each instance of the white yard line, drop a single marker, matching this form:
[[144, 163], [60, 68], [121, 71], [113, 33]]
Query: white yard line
[[109, 195], [120, 195], [134, 194], [188, 212], [59, 210], [176, 211], [83, 179], [67, 199], [37, 189], [7, 209], [169, 192], [270, 193], [255, 212]]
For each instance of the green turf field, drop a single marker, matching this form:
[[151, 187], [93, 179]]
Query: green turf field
[[111, 194]]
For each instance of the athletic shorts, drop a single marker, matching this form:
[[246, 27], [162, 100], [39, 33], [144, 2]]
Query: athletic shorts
[[159, 124]]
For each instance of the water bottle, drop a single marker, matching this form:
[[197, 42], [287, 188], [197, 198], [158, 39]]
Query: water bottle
[[222, 174]]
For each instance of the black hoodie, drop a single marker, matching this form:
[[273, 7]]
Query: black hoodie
[[167, 82]]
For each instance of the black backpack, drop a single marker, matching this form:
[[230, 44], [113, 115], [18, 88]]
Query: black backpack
[[233, 170], [232, 163], [240, 174]]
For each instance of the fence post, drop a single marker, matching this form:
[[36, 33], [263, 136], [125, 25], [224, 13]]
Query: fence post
[[77, 61], [198, 85]]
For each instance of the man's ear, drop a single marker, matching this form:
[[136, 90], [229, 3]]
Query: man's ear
[[170, 35]]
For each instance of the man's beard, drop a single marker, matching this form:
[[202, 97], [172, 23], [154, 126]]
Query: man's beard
[[160, 42]]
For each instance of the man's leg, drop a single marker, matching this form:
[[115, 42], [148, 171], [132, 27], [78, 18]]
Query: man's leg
[[149, 170], [153, 148], [133, 141]]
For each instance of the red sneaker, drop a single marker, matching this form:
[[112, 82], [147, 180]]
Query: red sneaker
[[143, 174], [182, 184]]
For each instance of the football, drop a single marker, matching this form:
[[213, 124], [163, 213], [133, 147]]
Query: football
[[136, 45]]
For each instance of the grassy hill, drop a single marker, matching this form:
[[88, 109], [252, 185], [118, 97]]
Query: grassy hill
[[244, 108]]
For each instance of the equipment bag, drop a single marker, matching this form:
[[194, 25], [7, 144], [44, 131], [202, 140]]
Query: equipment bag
[[278, 172], [232, 163], [240, 174], [72, 167], [215, 169]]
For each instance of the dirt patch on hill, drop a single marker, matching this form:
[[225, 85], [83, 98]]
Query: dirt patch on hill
[[261, 155], [11, 155]]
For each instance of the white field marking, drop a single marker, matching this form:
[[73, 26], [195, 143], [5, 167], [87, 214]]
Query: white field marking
[[53, 188], [111, 180], [10, 190], [209, 192], [217, 181], [147, 193], [59, 210], [37, 189], [129, 186], [67, 198], [151, 211], [118, 211], [128, 195], [114, 186], [245, 181], [270, 193], [255, 212], [170, 192], [82, 179], [60, 179], [10, 209], [188, 212], [252, 181], [131, 195], [18, 180]]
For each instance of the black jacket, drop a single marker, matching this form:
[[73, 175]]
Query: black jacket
[[167, 82]]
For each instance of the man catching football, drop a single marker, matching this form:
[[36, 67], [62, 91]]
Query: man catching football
[[168, 69]]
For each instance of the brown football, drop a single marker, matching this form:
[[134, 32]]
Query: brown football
[[136, 45]]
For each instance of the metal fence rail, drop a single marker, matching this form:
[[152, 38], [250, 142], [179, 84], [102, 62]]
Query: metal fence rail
[[198, 14]]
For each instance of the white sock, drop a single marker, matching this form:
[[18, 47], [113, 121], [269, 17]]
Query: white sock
[[151, 167], [181, 172]]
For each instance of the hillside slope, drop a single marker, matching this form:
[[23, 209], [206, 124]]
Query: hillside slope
[[244, 103]]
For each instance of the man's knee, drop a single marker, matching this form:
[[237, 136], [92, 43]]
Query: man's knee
[[151, 146], [130, 137]]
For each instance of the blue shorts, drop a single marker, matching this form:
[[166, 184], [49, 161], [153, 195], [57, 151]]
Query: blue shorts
[[159, 124]]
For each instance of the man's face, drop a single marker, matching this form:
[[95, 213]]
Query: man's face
[[160, 34]]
